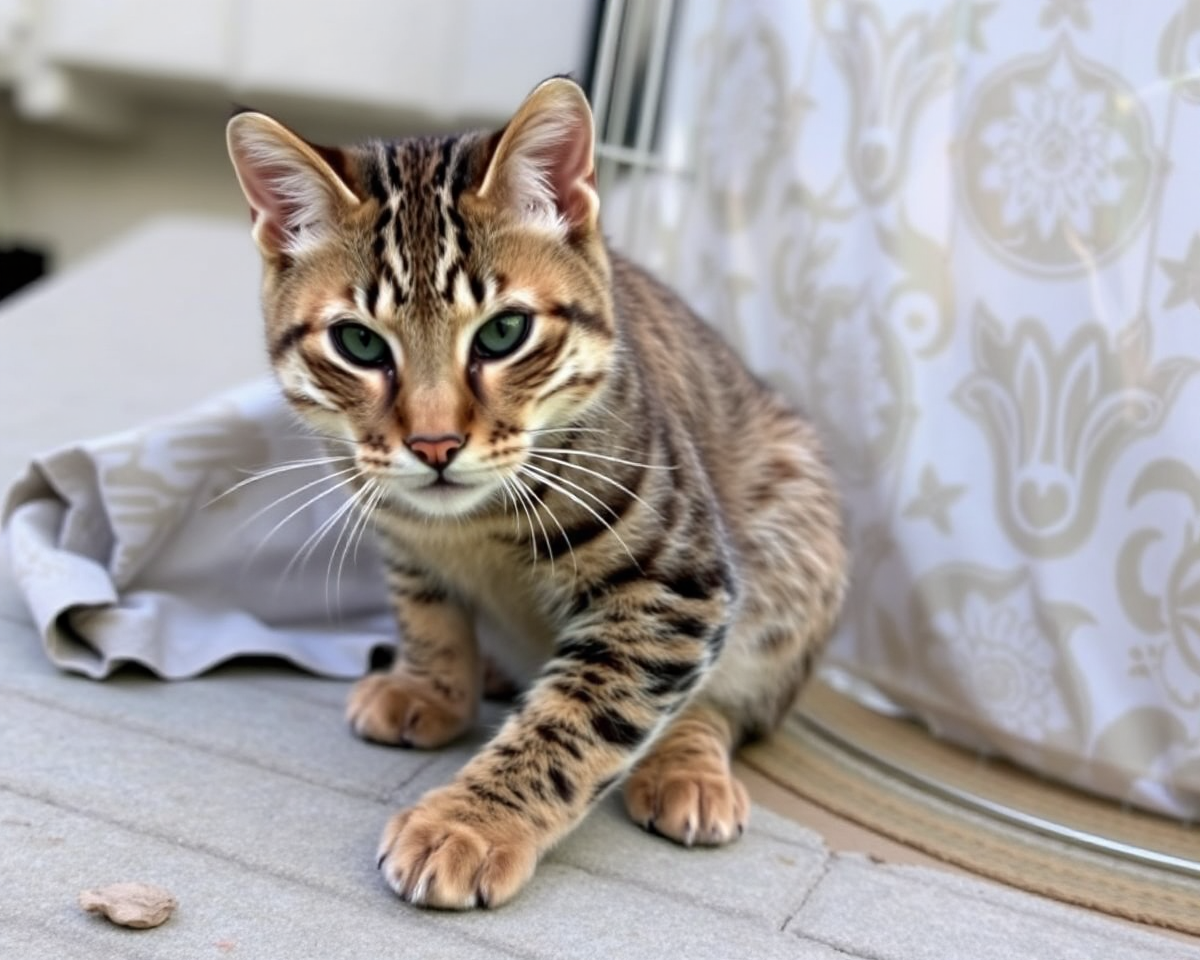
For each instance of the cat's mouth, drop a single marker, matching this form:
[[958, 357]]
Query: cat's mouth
[[443, 496]]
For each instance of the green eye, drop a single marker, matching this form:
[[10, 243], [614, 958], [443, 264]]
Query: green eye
[[360, 345], [501, 335]]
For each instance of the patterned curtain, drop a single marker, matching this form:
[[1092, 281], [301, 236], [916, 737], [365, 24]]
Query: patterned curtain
[[965, 237]]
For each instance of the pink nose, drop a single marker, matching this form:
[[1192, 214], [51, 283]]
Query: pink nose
[[436, 452]]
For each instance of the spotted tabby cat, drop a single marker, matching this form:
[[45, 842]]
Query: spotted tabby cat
[[552, 442]]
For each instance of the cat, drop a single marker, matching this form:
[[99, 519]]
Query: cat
[[547, 438]]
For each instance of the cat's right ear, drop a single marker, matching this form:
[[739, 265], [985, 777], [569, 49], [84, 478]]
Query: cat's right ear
[[294, 193]]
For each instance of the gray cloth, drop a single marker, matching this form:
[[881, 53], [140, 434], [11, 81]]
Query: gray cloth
[[155, 546]]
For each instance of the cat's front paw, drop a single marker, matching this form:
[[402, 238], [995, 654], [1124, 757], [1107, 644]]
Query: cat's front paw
[[444, 853], [399, 709], [690, 803]]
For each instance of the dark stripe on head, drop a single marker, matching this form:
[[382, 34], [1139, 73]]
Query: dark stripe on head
[[477, 289], [574, 314], [438, 179], [288, 339], [332, 378], [451, 279], [371, 296], [575, 382], [375, 185], [533, 369], [393, 168]]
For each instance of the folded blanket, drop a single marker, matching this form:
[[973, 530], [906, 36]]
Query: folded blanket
[[219, 533]]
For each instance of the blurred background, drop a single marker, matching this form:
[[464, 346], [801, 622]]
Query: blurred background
[[111, 112]]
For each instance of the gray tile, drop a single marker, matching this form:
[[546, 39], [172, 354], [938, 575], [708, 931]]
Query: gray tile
[[569, 913], [915, 913], [225, 908], [766, 875]]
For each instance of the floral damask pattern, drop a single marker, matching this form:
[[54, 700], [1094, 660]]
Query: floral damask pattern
[[1057, 419], [990, 637], [1056, 161], [962, 236], [1165, 607]]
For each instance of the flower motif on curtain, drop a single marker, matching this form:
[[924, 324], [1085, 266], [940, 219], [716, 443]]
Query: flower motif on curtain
[[1057, 164], [747, 122], [854, 388], [994, 644], [859, 383]]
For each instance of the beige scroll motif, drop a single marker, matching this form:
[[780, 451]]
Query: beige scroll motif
[[1179, 51], [1057, 418], [1158, 582], [892, 75]]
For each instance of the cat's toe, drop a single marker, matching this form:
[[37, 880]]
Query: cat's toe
[[690, 806], [431, 858], [401, 710]]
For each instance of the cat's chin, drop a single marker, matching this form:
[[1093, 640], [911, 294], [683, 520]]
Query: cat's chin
[[444, 499]]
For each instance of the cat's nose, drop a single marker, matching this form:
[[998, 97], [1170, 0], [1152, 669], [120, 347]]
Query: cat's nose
[[436, 452]]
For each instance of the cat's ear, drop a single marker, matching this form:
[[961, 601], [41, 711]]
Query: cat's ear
[[293, 190], [543, 169]]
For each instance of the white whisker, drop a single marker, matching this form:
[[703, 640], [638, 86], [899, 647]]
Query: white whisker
[[360, 501], [275, 471], [602, 456], [371, 508], [305, 505], [531, 511], [314, 539], [542, 503], [599, 476], [532, 533], [553, 483], [288, 496]]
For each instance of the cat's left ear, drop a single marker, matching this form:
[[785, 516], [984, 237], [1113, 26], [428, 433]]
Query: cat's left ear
[[543, 168]]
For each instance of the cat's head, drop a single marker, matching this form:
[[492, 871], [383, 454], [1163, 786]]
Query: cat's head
[[442, 303]]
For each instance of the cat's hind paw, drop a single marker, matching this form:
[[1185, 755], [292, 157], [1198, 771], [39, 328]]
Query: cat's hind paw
[[693, 804], [406, 711], [432, 857]]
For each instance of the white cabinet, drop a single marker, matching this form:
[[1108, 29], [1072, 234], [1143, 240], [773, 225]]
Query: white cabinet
[[87, 62]]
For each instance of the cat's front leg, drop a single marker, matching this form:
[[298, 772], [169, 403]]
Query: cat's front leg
[[431, 694], [624, 670]]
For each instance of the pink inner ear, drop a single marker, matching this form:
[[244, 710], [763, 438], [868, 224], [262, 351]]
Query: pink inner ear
[[267, 202], [570, 175]]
